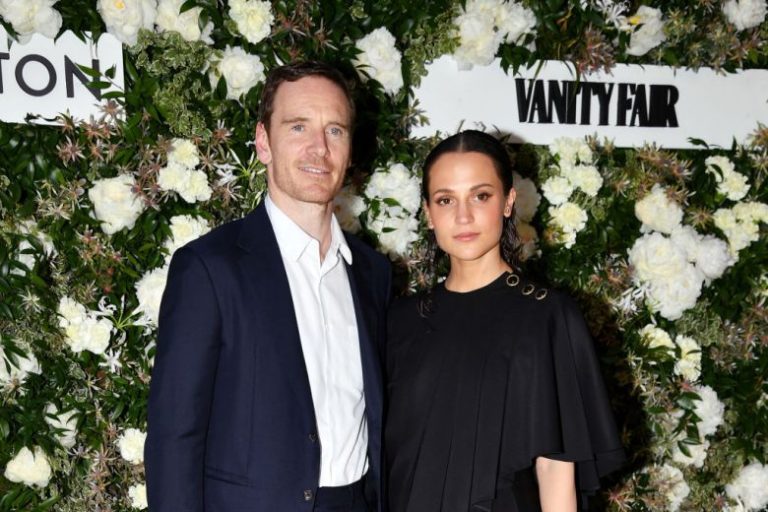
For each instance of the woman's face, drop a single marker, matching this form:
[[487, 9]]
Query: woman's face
[[466, 206]]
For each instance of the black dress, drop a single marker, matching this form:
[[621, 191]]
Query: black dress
[[480, 386]]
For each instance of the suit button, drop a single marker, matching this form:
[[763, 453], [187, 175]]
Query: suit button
[[313, 437], [308, 495]]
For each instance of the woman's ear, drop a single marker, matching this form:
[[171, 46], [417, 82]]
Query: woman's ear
[[510, 202], [425, 209]]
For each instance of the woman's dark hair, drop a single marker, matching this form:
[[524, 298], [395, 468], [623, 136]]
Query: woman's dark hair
[[474, 141]]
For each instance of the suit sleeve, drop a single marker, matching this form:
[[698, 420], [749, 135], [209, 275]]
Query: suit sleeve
[[182, 387]]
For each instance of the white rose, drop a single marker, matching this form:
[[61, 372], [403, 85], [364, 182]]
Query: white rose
[[241, 70], [515, 21], [398, 183], [709, 409], [527, 198], [687, 239], [655, 257], [89, 333], [698, 454], [672, 296], [751, 211], [17, 370], [557, 189], [528, 240], [138, 495], [568, 217], [713, 257], [149, 292], [570, 150], [65, 425], [184, 229], [348, 206], [124, 18], [651, 32], [396, 233], [187, 23], [191, 185], [29, 468], [28, 17], [671, 482], [750, 486], [689, 364], [745, 14], [479, 41], [70, 311], [253, 18], [587, 178], [131, 445], [380, 59], [655, 337], [657, 212], [729, 182], [115, 204], [184, 153]]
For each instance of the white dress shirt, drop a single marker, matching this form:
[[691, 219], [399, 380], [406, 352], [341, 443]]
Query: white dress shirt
[[325, 314]]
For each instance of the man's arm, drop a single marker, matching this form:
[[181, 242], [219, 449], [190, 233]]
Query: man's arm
[[182, 387]]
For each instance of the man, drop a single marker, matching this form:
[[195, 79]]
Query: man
[[266, 394]]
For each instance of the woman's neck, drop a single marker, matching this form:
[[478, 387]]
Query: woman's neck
[[466, 276]]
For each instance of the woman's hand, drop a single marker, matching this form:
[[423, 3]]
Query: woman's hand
[[557, 485]]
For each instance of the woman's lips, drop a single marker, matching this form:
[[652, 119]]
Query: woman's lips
[[466, 237]]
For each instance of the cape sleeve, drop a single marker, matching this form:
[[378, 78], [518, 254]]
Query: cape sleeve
[[568, 411]]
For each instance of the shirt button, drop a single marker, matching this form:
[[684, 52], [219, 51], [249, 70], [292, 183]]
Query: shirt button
[[308, 495], [313, 437]]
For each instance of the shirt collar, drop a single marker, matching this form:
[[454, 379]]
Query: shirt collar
[[293, 240]]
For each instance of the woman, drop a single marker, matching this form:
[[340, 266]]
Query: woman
[[495, 395]]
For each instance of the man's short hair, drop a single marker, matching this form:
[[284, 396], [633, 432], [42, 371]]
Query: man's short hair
[[293, 72]]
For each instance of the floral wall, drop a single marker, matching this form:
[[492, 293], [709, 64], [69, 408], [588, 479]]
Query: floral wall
[[666, 251]]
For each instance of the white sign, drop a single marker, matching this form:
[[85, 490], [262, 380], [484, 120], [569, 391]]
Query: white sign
[[43, 78], [632, 105]]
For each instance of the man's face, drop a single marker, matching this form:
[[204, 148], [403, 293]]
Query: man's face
[[307, 148]]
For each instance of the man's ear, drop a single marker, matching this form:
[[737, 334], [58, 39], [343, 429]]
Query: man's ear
[[261, 141]]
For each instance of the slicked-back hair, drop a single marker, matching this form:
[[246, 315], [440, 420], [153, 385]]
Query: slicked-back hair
[[296, 71]]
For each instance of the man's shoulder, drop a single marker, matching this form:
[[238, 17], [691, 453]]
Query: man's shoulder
[[221, 239], [361, 249]]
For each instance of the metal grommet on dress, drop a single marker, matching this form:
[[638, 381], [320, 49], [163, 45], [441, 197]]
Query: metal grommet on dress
[[513, 279], [528, 289], [541, 293]]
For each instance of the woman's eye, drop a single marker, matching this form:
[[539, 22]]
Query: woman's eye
[[442, 201], [483, 196]]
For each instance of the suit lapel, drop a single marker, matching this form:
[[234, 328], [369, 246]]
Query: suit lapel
[[262, 264]]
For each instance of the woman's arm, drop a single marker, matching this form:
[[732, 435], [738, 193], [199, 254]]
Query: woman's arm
[[557, 485]]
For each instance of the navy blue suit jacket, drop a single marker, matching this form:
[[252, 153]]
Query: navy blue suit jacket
[[231, 423]]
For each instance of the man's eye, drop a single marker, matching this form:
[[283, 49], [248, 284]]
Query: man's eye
[[335, 131], [297, 128]]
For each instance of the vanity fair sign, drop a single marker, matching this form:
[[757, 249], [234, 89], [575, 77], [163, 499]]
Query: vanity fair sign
[[42, 78], [632, 105]]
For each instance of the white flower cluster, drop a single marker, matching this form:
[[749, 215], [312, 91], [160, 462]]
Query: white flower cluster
[[740, 224], [688, 364], [180, 175], [149, 292], [575, 171], [187, 23], [253, 18], [29, 17], [671, 482], [115, 204], [184, 229], [131, 445], [613, 12], [14, 371], [29, 467], [348, 206], [64, 424], [647, 30], [484, 24], [241, 70], [750, 487], [83, 329], [138, 495], [397, 192], [709, 410], [656, 337], [26, 251], [745, 14], [124, 18], [730, 183], [380, 59], [527, 201], [673, 268]]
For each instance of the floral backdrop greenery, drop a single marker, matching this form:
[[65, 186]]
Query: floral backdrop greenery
[[665, 250]]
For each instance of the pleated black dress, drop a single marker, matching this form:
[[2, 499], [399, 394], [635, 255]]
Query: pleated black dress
[[480, 386]]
